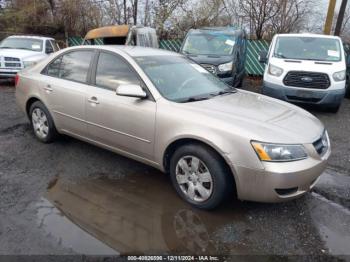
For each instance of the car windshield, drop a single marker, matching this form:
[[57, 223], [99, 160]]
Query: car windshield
[[211, 43], [181, 80], [308, 48], [22, 43]]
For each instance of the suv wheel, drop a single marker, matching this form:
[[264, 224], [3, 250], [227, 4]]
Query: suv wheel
[[199, 176], [42, 123]]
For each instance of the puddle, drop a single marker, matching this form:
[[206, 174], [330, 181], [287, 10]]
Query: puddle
[[335, 233], [67, 233], [141, 214]]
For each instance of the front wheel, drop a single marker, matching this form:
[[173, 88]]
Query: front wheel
[[200, 176]]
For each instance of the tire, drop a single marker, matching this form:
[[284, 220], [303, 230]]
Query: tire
[[42, 123], [211, 174], [347, 89], [334, 109]]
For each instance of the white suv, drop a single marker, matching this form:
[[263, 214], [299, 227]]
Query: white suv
[[305, 68], [18, 52]]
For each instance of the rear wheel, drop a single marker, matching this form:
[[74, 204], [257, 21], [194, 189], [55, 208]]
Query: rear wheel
[[200, 176], [42, 123]]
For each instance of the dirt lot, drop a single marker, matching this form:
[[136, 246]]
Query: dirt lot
[[71, 198]]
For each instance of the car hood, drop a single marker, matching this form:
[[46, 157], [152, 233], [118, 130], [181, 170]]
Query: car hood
[[260, 117], [22, 54], [210, 59]]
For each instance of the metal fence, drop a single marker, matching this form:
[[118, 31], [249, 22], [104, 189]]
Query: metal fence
[[252, 65]]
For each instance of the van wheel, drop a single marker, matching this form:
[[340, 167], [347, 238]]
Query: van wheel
[[42, 123], [199, 176], [334, 109], [347, 89]]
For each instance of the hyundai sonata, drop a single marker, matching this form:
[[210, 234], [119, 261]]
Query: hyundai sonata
[[164, 110]]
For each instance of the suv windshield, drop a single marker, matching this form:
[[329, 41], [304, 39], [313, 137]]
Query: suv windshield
[[22, 43], [179, 79], [308, 48], [210, 43]]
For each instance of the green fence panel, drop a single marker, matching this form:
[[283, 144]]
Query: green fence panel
[[252, 64], [172, 45], [74, 41]]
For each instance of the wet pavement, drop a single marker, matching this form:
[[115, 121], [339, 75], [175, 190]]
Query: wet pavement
[[70, 197]]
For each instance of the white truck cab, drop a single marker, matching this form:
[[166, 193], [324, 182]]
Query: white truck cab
[[19, 52], [305, 68]]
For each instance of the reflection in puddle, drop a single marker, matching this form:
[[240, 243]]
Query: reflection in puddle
[[67, 233], [141, 214], [135, 215]]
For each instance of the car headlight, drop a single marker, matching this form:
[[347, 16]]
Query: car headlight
[[225, 67], [275, 70], [339, 76], [28, 63], [278, 152]]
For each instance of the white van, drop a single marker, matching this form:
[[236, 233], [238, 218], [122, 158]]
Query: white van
[[305, 68]]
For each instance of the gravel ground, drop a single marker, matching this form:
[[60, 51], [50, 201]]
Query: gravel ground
[[70, 198]]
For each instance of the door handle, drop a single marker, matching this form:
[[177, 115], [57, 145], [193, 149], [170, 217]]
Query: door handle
[[48, 88], [93, 100]]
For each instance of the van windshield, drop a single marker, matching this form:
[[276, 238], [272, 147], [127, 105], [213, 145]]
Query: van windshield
[[209, 43], [22, 43], [308, 48]]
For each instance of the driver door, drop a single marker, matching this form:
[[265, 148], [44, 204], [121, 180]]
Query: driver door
[[123, 123]]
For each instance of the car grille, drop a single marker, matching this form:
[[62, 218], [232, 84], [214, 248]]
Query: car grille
[[12, 65], [210, 68], [10, 62], [322, 144], [307, 80], [11, 59]]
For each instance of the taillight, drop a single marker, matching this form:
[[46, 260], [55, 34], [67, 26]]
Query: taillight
[[16, 80]]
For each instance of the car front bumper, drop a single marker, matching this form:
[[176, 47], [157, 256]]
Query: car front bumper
[[279, 182], [7, 73], [302, 95]]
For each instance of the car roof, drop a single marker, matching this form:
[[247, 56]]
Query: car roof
[[32, 37], [309, 35], [134, 51], [225, 30]]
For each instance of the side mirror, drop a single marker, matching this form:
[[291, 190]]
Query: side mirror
[[131, 91], [262, 57]]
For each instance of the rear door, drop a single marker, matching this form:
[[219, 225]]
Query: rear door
[[64, 89], [124, 123]]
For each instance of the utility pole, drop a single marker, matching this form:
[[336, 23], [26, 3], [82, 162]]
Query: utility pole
[[340, 17], [329, 19]]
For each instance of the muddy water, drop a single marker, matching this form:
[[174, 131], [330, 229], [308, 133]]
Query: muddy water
[[142, 214]]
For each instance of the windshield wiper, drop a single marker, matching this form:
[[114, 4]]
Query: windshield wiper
[[195, 99], [5, 47], [223, 92]]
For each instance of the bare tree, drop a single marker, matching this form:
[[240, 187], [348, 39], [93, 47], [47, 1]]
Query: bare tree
[[259, 13]]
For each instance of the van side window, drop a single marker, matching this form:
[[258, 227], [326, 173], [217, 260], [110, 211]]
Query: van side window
[[113, 71], [75, 65]]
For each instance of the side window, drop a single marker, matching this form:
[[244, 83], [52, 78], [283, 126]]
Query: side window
[[54, 45], [75, 65], [53, 69], [48, 49], [113, 71]]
